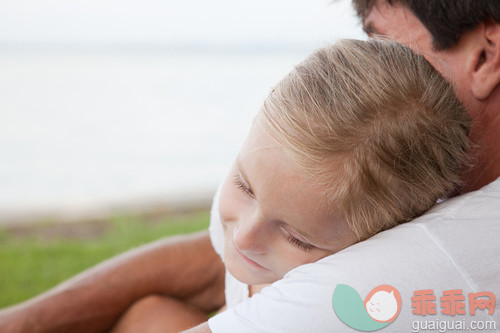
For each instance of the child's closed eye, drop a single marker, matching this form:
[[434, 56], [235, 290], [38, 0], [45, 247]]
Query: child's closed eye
[[240, 184], [306, 247]]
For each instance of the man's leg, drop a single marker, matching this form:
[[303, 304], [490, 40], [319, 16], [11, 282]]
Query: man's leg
[[184, 268]]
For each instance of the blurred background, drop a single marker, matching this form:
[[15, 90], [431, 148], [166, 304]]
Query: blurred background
[[122, 117], [110, 105]]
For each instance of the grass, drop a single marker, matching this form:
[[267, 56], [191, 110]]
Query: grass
[[34, 259]]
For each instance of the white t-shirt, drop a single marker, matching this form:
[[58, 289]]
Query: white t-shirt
[[456, 245]]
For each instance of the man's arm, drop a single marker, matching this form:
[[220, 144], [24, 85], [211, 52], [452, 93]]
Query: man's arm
[[185, 268]]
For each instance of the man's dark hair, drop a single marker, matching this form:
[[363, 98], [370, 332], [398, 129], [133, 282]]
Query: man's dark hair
[[446, 20]]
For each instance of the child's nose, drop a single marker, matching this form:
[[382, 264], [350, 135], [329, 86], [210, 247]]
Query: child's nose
[[250, 233]]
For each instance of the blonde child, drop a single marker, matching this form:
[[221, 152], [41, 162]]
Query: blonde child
[[358, 138]]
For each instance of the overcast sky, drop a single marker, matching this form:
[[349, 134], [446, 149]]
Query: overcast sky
[[167, 21]]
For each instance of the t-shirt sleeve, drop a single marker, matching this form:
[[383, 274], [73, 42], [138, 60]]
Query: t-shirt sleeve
[[296, 304]]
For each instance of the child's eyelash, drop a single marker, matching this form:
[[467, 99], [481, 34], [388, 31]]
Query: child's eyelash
[[297, 242], [242, 187]]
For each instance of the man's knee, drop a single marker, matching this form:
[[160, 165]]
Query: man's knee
[[156, 313], [149, 303]]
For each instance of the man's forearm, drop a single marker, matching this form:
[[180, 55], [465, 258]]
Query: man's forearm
[[186, 268]]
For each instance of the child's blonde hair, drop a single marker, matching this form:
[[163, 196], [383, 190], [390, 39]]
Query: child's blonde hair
[[375, 125]]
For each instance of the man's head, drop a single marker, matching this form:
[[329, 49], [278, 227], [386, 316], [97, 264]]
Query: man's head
[[446, 20], [461, 39], [465, 49]]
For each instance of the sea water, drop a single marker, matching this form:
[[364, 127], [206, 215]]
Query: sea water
[[96, 126]]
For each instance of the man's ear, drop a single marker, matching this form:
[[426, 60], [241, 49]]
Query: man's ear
[[486, 60]]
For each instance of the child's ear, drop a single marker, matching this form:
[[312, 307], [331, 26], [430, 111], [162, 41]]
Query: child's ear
[[485, 60]]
